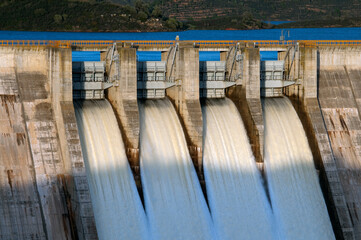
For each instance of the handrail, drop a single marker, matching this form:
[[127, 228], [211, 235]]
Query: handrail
[[169, 43]]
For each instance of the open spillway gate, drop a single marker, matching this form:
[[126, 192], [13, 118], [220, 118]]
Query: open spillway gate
[[89, 80], [46, 192], [280, 74]]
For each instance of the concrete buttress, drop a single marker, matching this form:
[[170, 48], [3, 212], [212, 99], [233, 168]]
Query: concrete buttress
[[247, 98], [123, 98], [185, 97]]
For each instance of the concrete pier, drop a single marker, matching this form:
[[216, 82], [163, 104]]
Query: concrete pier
[[123, 98], [185, 97], [248, 100]]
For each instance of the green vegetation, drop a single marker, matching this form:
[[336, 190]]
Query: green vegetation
[[67, 15], [340, 22], [172, 15]]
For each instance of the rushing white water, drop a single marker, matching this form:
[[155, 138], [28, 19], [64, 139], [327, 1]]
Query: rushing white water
[[174, 202], [117, 207], [295, 193], [239, 205]]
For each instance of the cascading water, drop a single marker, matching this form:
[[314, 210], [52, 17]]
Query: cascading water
[[117, 207], [174, 202], [295, 192], [238, 202]]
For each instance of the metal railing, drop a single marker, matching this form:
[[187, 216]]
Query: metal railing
[[166, 44], [333, 43]]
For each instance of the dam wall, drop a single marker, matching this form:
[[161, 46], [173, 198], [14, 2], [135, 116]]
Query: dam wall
[[338, 102], [43, 177], [37, 98]]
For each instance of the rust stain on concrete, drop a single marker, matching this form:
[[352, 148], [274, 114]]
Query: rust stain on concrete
[[32, 85], [20, 138], [43, 112]]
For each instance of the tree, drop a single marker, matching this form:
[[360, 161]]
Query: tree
[[142, 16], [58, 18], [157, 12], [141, 6]]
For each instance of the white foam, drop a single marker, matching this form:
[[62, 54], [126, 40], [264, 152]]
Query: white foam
[[118, 211], [174, 202], [239, 205], [295, 192]]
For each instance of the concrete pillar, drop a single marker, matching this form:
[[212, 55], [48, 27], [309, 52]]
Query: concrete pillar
[[76, 189], [248, 101], [223, 56], [123, 98], [164, 55], [310, 72], [185, 97]]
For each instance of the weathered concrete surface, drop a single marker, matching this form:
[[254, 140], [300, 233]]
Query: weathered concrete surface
[[338, 100], [39, 81], [185, 97], [123, 98], [20, 208], [312, 119], [76, 190], [344, 128], [333, 127], [248, 101], [303, 70]]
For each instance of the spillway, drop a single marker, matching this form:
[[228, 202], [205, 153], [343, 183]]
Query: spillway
[[235, 192], [174, 202], [295, 193], [117, 207]]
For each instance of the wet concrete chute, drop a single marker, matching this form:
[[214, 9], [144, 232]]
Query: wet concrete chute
[[180, 148], [117, 207], [291, 175], [173, 197], [235, 191]]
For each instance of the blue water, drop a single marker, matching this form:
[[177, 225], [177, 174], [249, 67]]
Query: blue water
[[264, 34], [144, 56], [268, 55]]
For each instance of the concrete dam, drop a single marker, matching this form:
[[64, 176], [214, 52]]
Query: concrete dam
[[180, 148]]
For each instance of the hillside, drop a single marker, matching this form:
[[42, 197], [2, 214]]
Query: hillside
[[173, 15], [63, 15], [294, 10]]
